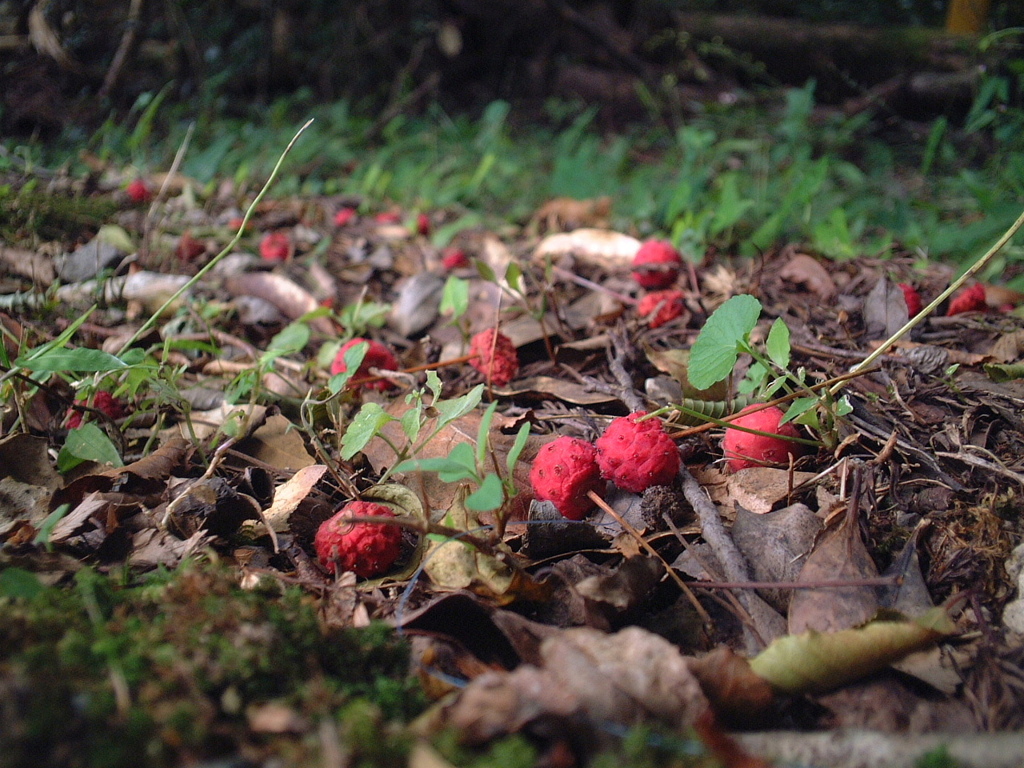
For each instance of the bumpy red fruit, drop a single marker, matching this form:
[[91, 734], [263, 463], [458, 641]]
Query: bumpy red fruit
[[743, 449], [660, 307], [564, 470], [423, 225], [103, 402], [344, 216], [970, 300], [494, 355], [637, 454], [454, 258], [912, 297], [656, 265], [377, 356], [275, 246], [366, 549], [139, 191]]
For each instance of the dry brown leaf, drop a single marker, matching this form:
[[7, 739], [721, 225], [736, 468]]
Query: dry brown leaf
[[277, 443], [290, 494], [292, 300], [759, 489], [738, 695], [805, 270], [840, 554], [562, 389], [612, 251]]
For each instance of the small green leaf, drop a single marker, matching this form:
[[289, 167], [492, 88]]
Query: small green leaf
[[353, 359], [455, 298], [485, 271], [434, 384], [483, 434], [87, 443], [514, 277], [293, 338], [517, 447], [450, 410], [116, 236], [777, 343], [488, 496], [798, 408], [412, 422], [47, 526], [364, 427], [84, 360], [454, 468], [714, 353]]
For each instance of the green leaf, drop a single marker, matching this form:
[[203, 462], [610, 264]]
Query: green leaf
[[517, 447], [84, 360], [19, 583], [488, 496], [455, 298], [514, 277], [777, 343], [714, 353], [457, 466], [353, 359], [485, 271], [292, 339], [412, 422], [116, 236], [449, 410], [364, 427], [483, 433], [47, 526], [798, 408], [87, 443], [434, 384]]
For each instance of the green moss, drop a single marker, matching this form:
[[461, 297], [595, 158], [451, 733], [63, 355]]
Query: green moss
[[194, 652]]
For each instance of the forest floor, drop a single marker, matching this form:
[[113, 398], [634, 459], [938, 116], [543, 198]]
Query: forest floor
[[169, 448]]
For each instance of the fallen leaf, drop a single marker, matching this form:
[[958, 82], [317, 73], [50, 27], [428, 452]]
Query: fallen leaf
[[802, 269], [290, 494], [816, 661], [602, 247]]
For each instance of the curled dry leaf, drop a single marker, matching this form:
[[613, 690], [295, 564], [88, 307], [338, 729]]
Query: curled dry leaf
[[291, 300], [807, 271]]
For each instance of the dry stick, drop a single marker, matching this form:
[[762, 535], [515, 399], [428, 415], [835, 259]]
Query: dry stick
[[767, 621], [603, 505], [146, 326], [920, 316]]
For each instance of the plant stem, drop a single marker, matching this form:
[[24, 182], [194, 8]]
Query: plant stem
[[146, 326], [920, 316]]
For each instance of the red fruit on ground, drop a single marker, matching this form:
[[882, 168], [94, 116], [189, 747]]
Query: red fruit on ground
[[189, 248], [388, 217], [366, 549], [564, 470], [637, 454], [138, 191], [494, 355], [344, 217], [377, 356], [454, 258], [912, 297], [101, 401], [275, 246], [743, 449], [660, 307], [656, 265], [969, 300], [423, 225]]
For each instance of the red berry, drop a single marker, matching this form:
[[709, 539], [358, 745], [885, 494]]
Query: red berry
[[366, 549], [423, 224], [970, 300], [744, 449], [637, 454], [659, 307], [454, 258], [344, 217], [101, 401], [388, 217], [189, 248], [564, 470], [656, 265], [913, 299], [275, 246], [494, 355], [139, 192], [377, 356]]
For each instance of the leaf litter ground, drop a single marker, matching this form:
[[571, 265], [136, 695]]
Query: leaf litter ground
[[217, 632]]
